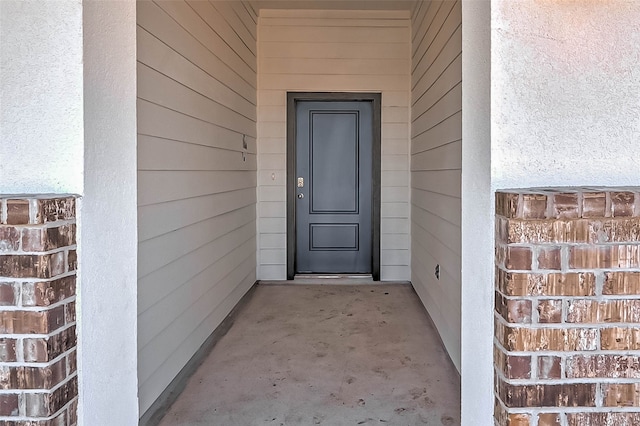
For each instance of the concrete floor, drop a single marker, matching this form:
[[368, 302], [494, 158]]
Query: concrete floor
[[325, 355]]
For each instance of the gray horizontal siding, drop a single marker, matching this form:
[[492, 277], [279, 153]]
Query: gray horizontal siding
[[196, 185], [436, 161]]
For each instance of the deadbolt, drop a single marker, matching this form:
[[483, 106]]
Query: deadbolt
[[301, 196], [300, 182]]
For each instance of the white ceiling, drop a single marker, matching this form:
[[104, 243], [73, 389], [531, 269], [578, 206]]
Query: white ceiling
[[336, 4]]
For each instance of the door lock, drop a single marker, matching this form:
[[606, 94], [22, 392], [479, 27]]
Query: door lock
[[301, 196], [300, 182]]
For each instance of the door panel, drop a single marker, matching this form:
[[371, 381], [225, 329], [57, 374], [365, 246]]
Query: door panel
[[337, 236], [333, 186], [334, 142]]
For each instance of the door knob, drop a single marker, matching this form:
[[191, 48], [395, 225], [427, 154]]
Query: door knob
[[300, 196]]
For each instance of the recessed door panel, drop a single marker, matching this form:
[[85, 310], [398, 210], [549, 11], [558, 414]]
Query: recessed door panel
[[334, 162], [337, 236]]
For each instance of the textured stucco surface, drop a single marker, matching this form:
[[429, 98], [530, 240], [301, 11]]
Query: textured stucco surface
[[41, 97], [477, 216], [108, 218], [565, 92]]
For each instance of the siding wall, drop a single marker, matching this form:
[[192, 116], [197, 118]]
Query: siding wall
[[196, 186], [324, 51], [436, 149]]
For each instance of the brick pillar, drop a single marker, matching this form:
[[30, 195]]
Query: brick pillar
[[38, 374], [567, 307]]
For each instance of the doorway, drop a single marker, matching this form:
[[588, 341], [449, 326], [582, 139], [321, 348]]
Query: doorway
[[333, 183]]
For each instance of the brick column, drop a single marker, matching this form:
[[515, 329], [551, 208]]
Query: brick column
[[38, 375], [567, 307]]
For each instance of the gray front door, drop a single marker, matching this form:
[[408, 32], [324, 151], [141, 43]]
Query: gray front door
[[334, 142]]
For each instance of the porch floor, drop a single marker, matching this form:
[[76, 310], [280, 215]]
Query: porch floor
[[325, 355]]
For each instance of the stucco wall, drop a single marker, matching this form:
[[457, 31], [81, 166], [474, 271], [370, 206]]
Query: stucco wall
[[566, 92], [477, 216], [108, 226], [41, 98]]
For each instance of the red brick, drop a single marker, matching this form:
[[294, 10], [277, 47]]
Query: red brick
[[549, 367], [501, 231], [58, 264], [565, 206], [534, 206], [17, 212], [624, 283], [45, 349], [549, 419], [551, 395], [519, 311], [8, 350], [581, 311], [9, 294], [48, 238], [8, 378], [500, 253], [70, 312], [9, 239], [624, 230], [506, 204], [48, 292], [27, 266], [605, 257], [9, 404], [58, 420], [594, 204], [518, 419], [572, 231], [546, 339], [518, 258], [72, 363], [622, 204], [531, 231], [73, 413], [550, 311], [502, 418], [51, 210], [620, 338], [601, 419], [31, 322], [550, 258], [621, 394], [72, 260], [555, 284], [48, 404], [45, 377], [513, 310], [518, 367], [592, 311], [603, 366], [513, 367]]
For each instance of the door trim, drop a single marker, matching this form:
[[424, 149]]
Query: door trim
[[376, 101]]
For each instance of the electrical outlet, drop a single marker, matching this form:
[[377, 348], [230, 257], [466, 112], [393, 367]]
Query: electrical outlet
[[437, 271]]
